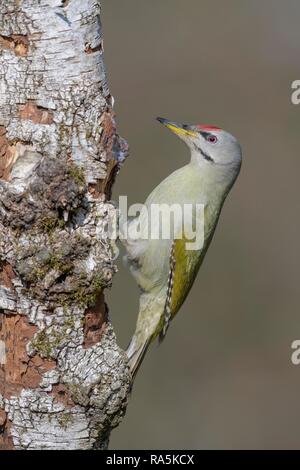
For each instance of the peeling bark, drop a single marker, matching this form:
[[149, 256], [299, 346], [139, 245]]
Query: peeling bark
[[64, 382]]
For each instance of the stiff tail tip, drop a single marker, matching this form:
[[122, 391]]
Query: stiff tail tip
[[136, 355]]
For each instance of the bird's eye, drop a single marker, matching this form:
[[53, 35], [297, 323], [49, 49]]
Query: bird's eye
[[212, 139]]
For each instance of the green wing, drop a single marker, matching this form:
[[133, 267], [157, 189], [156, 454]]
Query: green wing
[[184, 265]]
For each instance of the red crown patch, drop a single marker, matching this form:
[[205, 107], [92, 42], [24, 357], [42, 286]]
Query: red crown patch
[[205, 127]]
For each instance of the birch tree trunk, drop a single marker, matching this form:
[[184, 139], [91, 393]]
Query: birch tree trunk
[[64, 382]]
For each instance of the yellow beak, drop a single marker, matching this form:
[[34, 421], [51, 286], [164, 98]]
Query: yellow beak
[[179, 129]]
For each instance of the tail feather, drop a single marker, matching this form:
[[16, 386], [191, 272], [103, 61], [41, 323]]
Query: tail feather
[[136, 355]]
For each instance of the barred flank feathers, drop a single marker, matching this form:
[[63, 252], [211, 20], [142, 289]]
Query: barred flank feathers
[[167, 308]]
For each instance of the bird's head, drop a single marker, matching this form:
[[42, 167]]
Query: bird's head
[[208, 144]]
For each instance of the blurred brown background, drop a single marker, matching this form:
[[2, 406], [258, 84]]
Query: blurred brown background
[[223, 378]]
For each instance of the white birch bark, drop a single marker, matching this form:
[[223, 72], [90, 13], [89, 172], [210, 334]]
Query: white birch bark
[[64, 382]]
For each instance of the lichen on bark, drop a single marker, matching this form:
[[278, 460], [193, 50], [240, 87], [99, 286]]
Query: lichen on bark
[[64, 381]]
